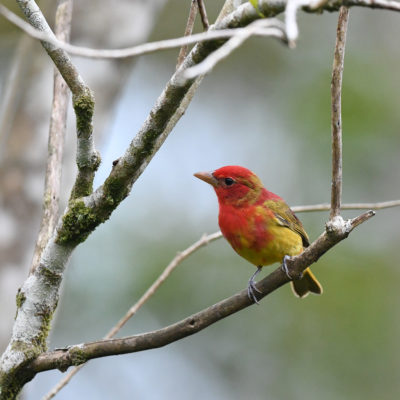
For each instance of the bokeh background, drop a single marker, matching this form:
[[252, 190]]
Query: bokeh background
[[266, 108]]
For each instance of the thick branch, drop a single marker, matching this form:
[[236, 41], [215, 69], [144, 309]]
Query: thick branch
[[336, 117], [336, 231]]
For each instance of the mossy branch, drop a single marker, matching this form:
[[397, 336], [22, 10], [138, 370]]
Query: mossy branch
[[87, 157]]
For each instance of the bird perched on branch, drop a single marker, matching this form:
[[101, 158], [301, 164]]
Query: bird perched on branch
[[259, 225]]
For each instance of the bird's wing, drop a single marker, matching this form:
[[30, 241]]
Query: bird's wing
[[287, 218]]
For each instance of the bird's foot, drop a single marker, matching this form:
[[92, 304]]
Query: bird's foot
[[251, 288], [285, 268], [250, 292]]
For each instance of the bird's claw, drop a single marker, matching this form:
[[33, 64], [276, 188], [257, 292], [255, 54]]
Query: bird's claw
[[251, 289], [285, 268]]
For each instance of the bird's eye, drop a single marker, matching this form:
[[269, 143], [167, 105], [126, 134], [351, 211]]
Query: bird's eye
[[228, 181]]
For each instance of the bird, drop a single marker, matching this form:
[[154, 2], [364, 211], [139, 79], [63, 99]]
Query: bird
[[259, 225]]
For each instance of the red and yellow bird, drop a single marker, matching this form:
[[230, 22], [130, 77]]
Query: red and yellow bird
[[258, 224]]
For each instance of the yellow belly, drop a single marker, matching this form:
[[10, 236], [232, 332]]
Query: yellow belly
[[283, 242]]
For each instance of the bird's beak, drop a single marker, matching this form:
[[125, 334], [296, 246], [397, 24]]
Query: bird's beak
[[207, 177]]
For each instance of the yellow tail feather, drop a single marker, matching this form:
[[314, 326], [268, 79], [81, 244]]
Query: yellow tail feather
[[307, 284]]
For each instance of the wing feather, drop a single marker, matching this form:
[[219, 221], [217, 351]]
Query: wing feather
[[287, 218]]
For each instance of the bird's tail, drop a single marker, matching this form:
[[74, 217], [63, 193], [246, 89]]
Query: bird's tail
[[308, 283]]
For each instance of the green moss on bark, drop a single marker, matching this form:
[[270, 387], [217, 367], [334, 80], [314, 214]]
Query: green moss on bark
[[52, 278], [84, 181], [13, 381], [40, 341], [77, 356], [20, 298], [84, 109], [77, 224]]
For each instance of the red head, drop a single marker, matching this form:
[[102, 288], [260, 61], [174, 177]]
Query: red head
[[236, 186]]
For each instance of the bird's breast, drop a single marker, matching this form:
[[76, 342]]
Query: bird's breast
[[254, 234]]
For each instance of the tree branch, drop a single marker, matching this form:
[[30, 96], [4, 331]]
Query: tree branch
[[87, 158], [203, 14], [336, 117], [188, 31], [146, 48], [265, 27], [348, 206], [269, 8], [78, 354], [180, 257], [58, 124]]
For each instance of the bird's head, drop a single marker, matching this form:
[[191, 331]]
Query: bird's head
[[234, 185]]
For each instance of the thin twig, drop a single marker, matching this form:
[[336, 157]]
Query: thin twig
[[336, 116], [181, 256], [62, 383], [268, 7], [348, 206], [292, 31], [360, 219], [267, 27], [188, 32], [125, 52], [203, 14], [58, 124], [292, 6]]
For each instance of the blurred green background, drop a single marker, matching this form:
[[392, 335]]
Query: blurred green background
[[266, 108]]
